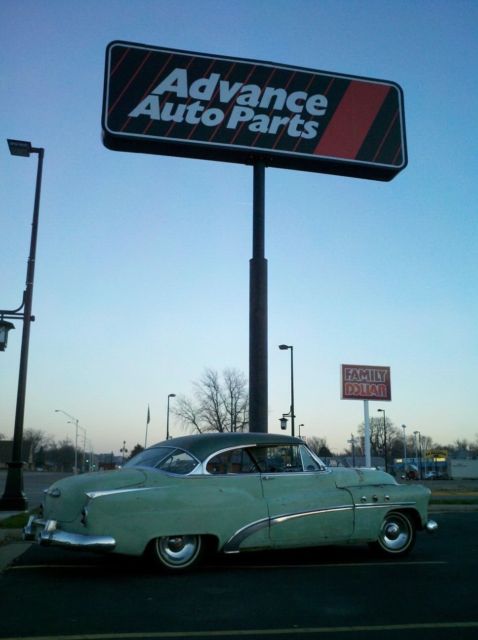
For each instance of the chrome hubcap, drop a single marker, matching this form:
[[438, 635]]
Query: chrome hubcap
[[395, 534], [178, 550]]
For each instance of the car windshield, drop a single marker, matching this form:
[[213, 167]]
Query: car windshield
[[165, 459]]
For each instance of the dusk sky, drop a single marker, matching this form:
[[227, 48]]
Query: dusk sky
[[142, 272]]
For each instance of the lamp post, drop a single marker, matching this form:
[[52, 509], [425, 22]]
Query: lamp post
[[284, 347], [123, 451], [352, 442], [13, 498], [84, 449], [384, 438], [404, 448], [171, 395], [418, 446], [76, 422]]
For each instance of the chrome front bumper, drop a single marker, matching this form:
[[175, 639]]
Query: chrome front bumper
[[45, 532], [431, 526]]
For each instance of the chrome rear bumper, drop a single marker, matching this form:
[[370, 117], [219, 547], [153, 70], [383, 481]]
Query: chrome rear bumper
[[45, 532]]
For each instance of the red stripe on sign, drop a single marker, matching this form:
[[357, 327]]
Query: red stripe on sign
[[352, 120], [125, 53], [125, 88]]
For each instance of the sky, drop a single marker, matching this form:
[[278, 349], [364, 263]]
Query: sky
[[142, 270]]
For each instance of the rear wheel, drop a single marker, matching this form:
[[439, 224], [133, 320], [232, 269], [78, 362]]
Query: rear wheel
[[397, 535], [176, 553]]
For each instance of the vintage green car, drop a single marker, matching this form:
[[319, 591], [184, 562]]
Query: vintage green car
[[229, 492]]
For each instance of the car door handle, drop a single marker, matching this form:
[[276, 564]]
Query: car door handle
[[268, 477]]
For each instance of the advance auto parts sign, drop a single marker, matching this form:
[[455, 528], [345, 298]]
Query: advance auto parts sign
[[174, 102]]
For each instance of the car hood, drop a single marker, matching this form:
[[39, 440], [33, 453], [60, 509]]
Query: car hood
[[358, 477], [65, 498]]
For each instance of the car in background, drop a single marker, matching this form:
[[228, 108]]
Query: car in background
[[229, 493]]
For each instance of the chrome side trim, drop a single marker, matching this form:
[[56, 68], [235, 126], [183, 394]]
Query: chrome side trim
[[388, 505], [111, 492], [234, 542], [303, 514]]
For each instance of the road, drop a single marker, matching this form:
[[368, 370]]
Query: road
[[339, 593], [34, 484]]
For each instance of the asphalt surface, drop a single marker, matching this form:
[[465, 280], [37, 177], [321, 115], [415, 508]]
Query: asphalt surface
[[326, 593]]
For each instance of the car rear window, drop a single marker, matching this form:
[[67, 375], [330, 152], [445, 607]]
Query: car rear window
[[165, 459]]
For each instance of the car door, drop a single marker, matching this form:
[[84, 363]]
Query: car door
[[232, 496], [305, 506]]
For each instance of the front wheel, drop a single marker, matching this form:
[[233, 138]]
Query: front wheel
[[175, 553], [397, 535]]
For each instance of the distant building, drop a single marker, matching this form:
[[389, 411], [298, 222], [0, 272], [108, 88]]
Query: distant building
[[461, 469]]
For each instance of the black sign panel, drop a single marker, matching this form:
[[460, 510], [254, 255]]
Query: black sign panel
[[197, 105]]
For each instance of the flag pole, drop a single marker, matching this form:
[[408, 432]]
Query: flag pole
[[147, 423]]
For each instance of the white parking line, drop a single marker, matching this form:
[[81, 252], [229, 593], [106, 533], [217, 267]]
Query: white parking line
[[337, 565], [257, 633]]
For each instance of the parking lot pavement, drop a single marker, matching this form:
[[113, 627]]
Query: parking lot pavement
[[11, 545]]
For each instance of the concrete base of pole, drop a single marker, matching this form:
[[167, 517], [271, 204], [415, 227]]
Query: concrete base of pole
[[13, 498]]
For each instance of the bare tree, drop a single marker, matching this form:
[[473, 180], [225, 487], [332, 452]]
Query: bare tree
[[236, 400], [393, 437], [218, 404], [319, 446], [38, 439]]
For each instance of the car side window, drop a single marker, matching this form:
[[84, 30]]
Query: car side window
[[309, 463], [278, 459], [179, 462], [234, 461]]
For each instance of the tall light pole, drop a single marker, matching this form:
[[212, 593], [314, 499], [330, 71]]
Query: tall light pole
[[418, 452], [352, 442], [76, 422], [123, 451], [171, 395], [13, 498], [384, 438], [404, 448], [284, 347]]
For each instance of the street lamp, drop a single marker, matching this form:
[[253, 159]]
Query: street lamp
[[384, 437], [13, 498], [283, 422], [5, 327], [284, 347], [76, 422], [301, 425], [171, 395]]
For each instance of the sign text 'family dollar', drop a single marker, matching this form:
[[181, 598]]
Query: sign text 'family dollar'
[[364, 382]]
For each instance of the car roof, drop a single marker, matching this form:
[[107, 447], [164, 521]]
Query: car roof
[[204, 444]]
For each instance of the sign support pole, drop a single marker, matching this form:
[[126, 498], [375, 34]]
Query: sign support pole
[[366, 444], [258, 380]]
